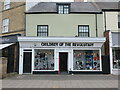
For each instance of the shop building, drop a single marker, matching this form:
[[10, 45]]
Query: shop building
[[10, 28], [60, 54], [62, 37], [115, 52], [112, 34], [10, 50]]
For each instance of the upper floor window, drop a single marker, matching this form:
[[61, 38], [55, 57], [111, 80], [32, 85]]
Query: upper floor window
[[5, 25], [118, 21], [83, 31], [63, 9], [6, 4], [42, 30]]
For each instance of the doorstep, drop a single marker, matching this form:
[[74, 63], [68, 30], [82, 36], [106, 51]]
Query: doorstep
[[116, 72]]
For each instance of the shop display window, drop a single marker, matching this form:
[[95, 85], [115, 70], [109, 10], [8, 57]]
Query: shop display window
[[116, 58], [44, 60], [86, 60]]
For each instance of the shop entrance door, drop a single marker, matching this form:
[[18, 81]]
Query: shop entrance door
[[63, 61], [27, 59], [10, 64]]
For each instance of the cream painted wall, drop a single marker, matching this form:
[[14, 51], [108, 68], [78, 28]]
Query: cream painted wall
[[112, 21], [100, 26], [63, 24]]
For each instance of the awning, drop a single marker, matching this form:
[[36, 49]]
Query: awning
[[5, 45]]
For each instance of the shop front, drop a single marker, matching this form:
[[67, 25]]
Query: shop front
[[9, 50], [60, 54], [115, 52]]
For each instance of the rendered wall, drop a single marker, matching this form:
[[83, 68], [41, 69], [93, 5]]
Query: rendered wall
[[112, 21], [63, 24]]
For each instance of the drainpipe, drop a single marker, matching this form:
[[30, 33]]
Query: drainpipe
[[96, 25], [105, 20]]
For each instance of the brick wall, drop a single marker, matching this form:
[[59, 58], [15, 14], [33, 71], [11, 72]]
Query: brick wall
[[0, 17], [106, 45], [16, 17], [3, 67]]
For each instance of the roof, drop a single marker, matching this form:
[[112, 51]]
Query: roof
[[76, 7], [108, 5]]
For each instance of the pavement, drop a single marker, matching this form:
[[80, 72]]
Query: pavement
[[62, 81]]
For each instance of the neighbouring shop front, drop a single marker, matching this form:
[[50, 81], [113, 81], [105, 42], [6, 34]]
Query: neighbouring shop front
[[57, 55], [115, 52], [9, 50]]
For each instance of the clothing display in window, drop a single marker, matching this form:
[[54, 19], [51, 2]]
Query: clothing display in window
[[86, 60], [44, 60], [116, 58]]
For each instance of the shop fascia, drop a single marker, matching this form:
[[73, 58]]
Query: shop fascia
[[38, 42], [75, 47]]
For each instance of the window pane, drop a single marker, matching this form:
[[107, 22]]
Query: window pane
[[42, 30], [5, 25], [44, 60], [116, 58], [6, 29], [60, 9], [66, 11], [86, 60], [84, 31], [43, 34], [5, 22], [63, 9], [66, 6], [6, 4]]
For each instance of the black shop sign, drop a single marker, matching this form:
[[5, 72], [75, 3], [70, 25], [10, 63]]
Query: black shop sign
[[9, 38]]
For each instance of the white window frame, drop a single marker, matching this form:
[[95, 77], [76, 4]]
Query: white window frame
[[97, 49], [6, 4], [5, 25], [63, 9], [33, 61]]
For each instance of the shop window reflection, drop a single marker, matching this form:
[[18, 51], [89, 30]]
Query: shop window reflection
[[86, 60], [44, 60], [116, 58]]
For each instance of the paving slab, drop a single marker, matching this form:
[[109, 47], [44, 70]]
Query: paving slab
[[61, 81]]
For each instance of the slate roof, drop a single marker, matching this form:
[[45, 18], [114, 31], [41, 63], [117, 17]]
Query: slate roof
[[108, 5], [76, 7]]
